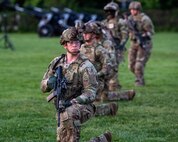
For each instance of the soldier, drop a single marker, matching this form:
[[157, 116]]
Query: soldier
[[118, 29], [111, 80], [81, 87], [141, 30], [79, 26], [99, 56]]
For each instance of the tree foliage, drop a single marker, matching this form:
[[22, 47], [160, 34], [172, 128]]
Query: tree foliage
[[159, 4], [99, 4]]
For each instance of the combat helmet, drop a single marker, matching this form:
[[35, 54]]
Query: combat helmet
[[92, 27], [111, 6], [79, 25], [135, 5], [68, 35]]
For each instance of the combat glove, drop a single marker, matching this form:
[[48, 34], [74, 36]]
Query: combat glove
[[51, 82]]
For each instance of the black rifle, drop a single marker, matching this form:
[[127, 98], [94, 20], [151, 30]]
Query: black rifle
[[141, 39], [59, 93], [119, 46]]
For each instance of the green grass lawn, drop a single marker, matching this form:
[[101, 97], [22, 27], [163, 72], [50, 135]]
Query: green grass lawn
[[25, 115]]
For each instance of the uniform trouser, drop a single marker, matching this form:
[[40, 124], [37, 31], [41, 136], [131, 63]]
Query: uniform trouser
[[113, 92], [71, 120], [119, 60], [101, 91], [103, 109], [120, 56], [137, 59]]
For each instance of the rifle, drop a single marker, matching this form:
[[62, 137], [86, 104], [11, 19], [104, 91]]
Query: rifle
[[59, 93], [52, 96], [120, 46], [141, 39]]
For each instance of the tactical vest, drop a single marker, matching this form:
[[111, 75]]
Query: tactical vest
[[114, 27], [73, 77]]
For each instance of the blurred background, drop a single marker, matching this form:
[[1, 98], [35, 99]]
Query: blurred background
[[50, 18]]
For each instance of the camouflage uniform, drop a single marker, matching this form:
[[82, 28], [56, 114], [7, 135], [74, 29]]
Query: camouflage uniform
[[119, 31], [81, 90], [111, 80], [112, 86], [139, 53], [100, 59], [118, 28]]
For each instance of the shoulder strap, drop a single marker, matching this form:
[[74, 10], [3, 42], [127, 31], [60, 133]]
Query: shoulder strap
[[55, 64]]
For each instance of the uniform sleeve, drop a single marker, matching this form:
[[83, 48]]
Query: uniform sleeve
[[49, 72], [90, 84], [147, 26], [124, 31], [103, 56]]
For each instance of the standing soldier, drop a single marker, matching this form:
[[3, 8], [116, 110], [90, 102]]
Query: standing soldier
[[118, 29], [80, 92], [141, 30]]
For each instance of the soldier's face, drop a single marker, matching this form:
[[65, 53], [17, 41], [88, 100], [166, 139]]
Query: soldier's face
[[87, 37], [110, 14], [133, 12], [72, 47]]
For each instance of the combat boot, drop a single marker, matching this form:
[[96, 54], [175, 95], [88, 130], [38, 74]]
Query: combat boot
[[131, 94], [139, 82], [108, 136], [113, 108]]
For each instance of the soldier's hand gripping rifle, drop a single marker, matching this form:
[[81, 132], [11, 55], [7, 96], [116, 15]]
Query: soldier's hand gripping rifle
[[142, 40], [59, 93]]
